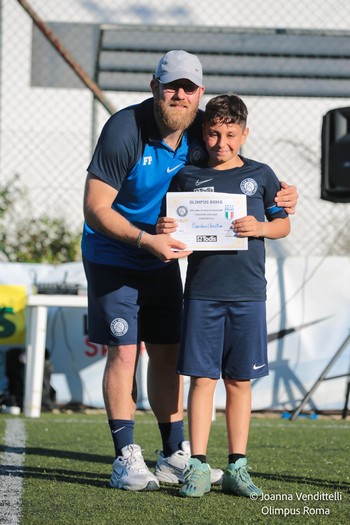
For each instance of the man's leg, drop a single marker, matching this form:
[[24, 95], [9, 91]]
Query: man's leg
[[165, 394], [113, 320], [165, 386], [118, 382], [129, 469], [120, 393]]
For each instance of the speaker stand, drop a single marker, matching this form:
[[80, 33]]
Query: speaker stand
[[323, 377]]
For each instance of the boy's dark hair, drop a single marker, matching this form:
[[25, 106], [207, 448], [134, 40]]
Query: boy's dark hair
[[226, 109]]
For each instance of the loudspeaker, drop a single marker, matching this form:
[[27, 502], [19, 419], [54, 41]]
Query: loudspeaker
[[335, 160]]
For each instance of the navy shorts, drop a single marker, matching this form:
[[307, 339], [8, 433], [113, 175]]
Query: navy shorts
[[227, 339], [128, 306]]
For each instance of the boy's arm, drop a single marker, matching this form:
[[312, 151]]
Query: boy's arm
[[249, 227]]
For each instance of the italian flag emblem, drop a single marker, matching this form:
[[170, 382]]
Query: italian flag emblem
[[229, 212]]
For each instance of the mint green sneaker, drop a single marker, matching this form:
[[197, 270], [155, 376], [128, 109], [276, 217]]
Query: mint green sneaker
[[236, 480], [197, 479]]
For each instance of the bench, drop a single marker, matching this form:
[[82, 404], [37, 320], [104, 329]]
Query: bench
[[270, 62]]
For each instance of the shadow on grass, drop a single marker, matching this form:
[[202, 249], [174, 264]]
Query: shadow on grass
[[56, 475], [82, 477], [303, 480], [54, 453], [78, 476], [66, 454]]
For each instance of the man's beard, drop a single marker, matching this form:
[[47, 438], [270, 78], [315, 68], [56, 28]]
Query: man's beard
[[172, 118]]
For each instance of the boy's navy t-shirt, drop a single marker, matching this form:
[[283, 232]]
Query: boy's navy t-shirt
[[232, 275]]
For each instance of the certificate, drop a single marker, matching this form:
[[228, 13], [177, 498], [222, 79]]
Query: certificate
[[204, 219]]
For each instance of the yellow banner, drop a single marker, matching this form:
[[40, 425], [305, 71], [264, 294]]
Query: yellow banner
[[13, 300]]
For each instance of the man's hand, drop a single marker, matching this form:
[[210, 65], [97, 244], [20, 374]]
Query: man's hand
[[166, 225], [164, 247], [287, 198]]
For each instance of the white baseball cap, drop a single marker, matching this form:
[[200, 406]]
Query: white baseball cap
[[179, 64]]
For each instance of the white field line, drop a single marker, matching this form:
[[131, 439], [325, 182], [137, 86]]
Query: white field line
[[11, 472]]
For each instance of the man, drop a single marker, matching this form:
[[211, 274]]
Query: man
[[134, 282]]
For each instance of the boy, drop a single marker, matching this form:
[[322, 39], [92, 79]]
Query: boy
[[224, 330]]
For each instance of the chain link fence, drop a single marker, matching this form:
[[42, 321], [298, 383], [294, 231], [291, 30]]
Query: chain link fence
[[50, 115]]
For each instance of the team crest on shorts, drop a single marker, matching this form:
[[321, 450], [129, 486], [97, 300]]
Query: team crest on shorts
[[118, 327], [249, 187]]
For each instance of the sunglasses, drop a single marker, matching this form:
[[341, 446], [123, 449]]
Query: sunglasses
[[171, 87]]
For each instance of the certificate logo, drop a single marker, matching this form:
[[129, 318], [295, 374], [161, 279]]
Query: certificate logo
[[249, 187], [206, 238], [182, 211], [229, 211]]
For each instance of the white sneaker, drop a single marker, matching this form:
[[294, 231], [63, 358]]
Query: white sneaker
[[172, 469], [130, 471], [13, 410]]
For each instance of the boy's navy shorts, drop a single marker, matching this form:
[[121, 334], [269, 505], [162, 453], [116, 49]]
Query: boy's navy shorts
[[128, 306], [227, 339]]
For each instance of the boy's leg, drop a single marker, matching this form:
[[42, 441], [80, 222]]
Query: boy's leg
[[200, 358], [200, 411], [236, 479], [238, 410], [196, 343], [200, 403], [160, 329], [245, 358]]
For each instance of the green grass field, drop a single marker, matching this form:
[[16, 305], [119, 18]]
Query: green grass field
[[301, 466]]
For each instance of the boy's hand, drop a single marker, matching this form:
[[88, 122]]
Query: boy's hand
[[248, 227], [287, 198], [166, 225]]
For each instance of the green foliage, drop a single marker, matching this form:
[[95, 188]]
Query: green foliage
[[48, 240], [33, 239]]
